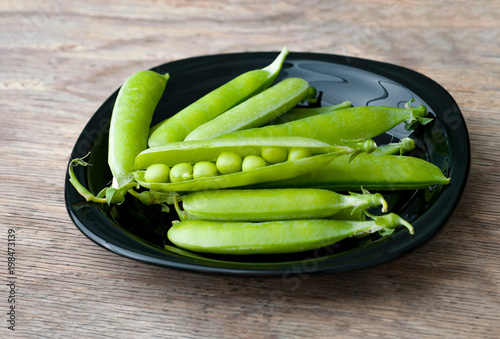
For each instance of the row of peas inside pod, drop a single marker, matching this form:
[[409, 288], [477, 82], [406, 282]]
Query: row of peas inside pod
[[227, 162]]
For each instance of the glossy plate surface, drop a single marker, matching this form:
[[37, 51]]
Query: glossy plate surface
[[136, 231]]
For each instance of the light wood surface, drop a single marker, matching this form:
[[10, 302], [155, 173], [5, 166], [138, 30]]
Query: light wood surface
[[60, 59]]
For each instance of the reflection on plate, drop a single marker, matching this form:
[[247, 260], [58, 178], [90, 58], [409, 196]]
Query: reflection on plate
[[136, 231]]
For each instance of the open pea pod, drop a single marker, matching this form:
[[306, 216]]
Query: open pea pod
[[208, 150], [280, 171]]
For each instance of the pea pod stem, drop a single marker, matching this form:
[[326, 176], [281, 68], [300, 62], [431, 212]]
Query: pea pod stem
[[272, 237], [403, 146], [177, 127], [111, 195], [108, 195], [84, 192]]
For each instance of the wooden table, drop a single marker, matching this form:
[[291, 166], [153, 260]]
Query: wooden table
[[61, 59]]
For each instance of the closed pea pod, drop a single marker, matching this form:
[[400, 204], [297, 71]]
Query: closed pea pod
[[273, 204], [256, 111], [372, 172], [128, 134], [130, 121], [177, 127], [335, 127], [272, 237]]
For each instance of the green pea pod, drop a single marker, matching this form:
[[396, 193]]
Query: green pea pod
[[346, 124], [382, 172], [284, 170], [272, 237], [177, 127], [306, 112], [130, 121], [256, 111], [273, 204], [208, 150]]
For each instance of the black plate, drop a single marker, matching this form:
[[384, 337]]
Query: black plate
[[135, 231]]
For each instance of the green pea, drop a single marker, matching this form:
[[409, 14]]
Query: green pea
[[298, 153], [274, 155], [252, 162], [204, 169], [228, 162], [181, 172], [157, 173]]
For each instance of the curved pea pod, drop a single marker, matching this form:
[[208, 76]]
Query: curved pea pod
[[284, 170], [372, 172], [273, 204], [272, 237], [130, 121], [177, 127], [345, 124], [208, 150], [256, 111]]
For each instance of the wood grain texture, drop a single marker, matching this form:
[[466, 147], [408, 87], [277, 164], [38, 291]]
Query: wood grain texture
[[60, 59]]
